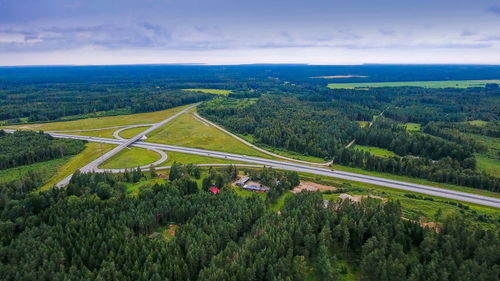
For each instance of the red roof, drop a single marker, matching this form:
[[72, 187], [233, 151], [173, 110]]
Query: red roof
[[214, 190]]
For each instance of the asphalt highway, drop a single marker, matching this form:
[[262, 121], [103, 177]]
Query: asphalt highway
[[283, 165]]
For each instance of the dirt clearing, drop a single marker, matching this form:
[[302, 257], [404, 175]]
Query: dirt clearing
[[312, 186]]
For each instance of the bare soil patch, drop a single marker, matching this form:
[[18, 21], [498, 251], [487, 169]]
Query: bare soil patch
[[357, 198], [312, 186], [169, 233]]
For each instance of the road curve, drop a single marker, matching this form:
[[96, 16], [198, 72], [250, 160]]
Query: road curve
[[116, 133], [413, 187], [92, 166]]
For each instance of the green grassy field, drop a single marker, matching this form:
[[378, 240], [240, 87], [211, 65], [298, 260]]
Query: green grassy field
[[479, 123], [90, 153], [130, 133], [363, 124], [185, 130], [185, 158], [425, 84], [411, 127], [103, 122], [487, 164], [493, 144], [131, 158], [210, 91], [47, 169], [108, 133], [133, 189], [376, 150]]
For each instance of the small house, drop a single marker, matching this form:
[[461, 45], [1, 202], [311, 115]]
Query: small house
[[214, 190], [253, 187], [242, 181]]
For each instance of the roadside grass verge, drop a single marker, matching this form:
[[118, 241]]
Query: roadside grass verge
[[103, 122], [185, 158], [424, 84], [91, 152], [130, 133], [131, 157], [210, 91], [377, 151], [418, 181], [187, 131], [108, 133]]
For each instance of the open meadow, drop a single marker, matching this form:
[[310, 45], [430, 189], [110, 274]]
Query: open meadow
[[131, 157], [188, 131]]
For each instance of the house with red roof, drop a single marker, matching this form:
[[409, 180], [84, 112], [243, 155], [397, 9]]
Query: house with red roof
[[214, 190]]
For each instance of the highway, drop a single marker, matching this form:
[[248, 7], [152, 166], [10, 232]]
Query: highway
[[323, 171], [93, 166]]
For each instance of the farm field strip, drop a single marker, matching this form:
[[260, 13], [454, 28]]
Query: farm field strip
[[425, 84]]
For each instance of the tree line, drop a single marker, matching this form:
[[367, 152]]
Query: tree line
[[26, 147]]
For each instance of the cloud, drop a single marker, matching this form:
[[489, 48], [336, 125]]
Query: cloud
[[106, 36], [467, 33], [387, 32]]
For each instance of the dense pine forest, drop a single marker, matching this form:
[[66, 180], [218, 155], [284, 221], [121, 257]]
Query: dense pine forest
[[24, 148], [322, 123], [93, 230]]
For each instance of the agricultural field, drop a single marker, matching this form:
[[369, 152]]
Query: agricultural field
[[89, 154], [210, 91], [102, 122], [131, 157], [377, 151], [187, 131], [424, 84]]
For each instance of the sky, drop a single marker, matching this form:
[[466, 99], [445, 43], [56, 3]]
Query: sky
[[95, 32]]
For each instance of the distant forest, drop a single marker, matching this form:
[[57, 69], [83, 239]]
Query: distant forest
[[38, 94]]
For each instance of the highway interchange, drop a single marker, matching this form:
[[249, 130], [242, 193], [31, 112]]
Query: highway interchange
[[289, 164]]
